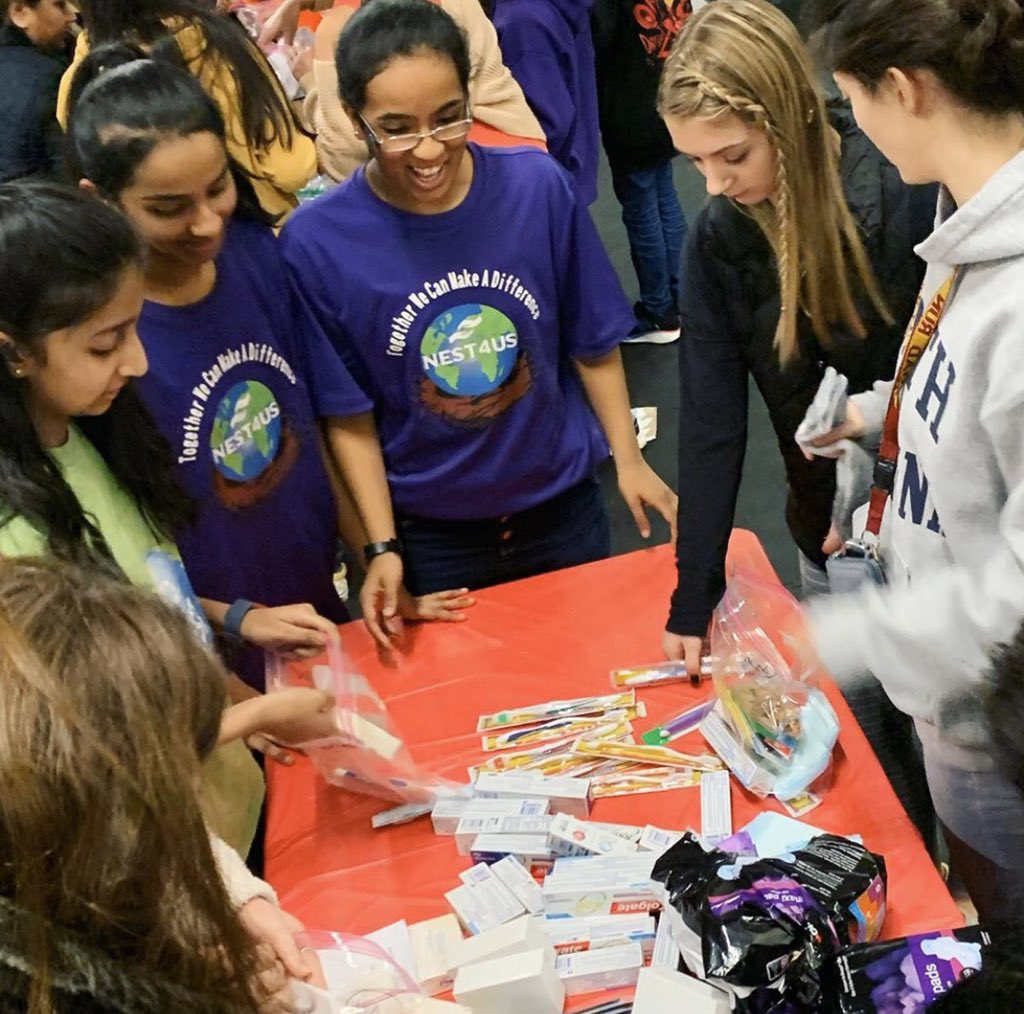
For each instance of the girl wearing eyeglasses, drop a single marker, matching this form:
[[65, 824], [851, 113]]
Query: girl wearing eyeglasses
[[469, 295], [258, 408]]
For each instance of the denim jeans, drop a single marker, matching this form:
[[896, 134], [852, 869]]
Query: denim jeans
[[656, 229], [569, 529]]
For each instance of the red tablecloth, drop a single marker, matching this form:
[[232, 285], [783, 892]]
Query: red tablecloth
[[554, 636]]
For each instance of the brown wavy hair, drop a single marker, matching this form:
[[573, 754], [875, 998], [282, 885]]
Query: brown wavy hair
[[745, 58], [108, 703]]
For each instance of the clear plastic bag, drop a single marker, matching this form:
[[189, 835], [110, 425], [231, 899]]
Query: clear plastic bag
[[379, 764], [784, 729], [360, 976]]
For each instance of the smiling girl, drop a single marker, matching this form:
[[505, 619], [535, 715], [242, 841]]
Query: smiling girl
[[241, 379], [468, 293]]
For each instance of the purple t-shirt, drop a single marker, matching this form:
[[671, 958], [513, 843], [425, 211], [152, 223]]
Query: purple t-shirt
[[462, 327], [237, 383]]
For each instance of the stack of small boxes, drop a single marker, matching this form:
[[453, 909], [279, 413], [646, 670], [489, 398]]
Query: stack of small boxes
[[555, 905]]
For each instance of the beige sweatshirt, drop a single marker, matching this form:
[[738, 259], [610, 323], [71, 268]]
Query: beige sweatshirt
[[497, 100]]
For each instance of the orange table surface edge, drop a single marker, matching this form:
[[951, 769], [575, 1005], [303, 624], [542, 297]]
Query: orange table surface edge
[[548, 637]]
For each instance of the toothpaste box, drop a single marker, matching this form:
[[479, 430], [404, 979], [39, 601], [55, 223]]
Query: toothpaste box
[[568, 836], [600, 885], [470, 827], [564, 794], [659, 990], [656, 839], [433, 946], [483, 902], [514, 984], [515, 877], [447, 813], [522, 934], [628, 832], [529, 849], [605, 968], [572, 935]]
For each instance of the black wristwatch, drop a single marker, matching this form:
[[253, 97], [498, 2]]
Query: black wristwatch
[[375, 549]]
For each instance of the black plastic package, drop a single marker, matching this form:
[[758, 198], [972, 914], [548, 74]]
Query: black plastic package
[[904, 976], [770, 924]]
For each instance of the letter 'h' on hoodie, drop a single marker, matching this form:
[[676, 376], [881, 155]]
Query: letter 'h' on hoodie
[[953, 536]]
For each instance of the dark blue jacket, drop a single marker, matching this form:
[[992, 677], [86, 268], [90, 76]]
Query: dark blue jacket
[[729, 305], [30, 137], [547, 46]]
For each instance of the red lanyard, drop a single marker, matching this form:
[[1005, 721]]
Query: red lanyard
[[889, 449]]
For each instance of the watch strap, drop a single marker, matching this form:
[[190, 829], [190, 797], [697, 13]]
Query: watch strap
[[237, 611], [374, 549]]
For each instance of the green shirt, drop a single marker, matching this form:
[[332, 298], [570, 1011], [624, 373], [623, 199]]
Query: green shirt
[[146, 559], [232, 782]]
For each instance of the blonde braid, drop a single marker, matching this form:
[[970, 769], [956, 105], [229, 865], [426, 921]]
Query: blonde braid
[[777, 222]]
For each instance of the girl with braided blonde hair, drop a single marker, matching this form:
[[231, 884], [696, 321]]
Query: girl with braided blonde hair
[[802, 259], [743, 61]]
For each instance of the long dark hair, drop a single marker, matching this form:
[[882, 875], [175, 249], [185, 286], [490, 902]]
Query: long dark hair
[[62, 256], [974, 47], [108, 704], [148, 100], [384, 29], [266, 115]]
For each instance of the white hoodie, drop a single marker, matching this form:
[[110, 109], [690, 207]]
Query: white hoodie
[[955, 524]]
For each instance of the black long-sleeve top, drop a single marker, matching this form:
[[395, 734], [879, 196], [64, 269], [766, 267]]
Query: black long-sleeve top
[[729, 304]]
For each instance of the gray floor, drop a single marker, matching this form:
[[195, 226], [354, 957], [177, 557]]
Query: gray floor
[[652, 371]]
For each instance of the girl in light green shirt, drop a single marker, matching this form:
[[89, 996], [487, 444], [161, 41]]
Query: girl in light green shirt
[[84, 473]]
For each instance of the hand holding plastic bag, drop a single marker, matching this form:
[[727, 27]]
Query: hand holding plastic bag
[[368, 755], [360, 977], [784, 728]]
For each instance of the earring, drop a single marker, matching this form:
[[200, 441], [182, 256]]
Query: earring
[[18, 372]]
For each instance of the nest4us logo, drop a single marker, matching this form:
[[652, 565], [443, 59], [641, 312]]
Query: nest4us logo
[[474, 368], [251, 444]]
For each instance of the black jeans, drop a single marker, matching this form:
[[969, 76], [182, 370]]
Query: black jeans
[[568, 529]]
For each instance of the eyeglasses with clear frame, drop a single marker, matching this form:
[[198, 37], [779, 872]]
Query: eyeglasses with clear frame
[[396, 144]]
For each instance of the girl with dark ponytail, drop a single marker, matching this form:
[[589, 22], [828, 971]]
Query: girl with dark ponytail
[[938, 85], [241, 380]]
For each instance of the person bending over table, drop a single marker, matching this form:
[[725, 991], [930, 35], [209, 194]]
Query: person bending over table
[[802, 258], [468, 293]]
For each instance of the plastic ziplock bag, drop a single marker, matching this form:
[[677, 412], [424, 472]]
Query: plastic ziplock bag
[[379, 764], [784, 728], [360, 976]]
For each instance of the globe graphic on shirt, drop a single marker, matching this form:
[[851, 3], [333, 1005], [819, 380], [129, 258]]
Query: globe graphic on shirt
[[246, 431], [469, 349]]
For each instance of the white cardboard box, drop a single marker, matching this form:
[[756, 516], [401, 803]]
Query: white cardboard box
[[522, 934], [572, 935], [569, 836], [448, 812], [471, 827], [564, 794], [524, 983], [433, 946], [530, 849], [604, 968], [660, 989], [515, 877]]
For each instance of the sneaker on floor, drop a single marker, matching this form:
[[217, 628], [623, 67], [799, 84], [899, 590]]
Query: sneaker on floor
[[651, 331]]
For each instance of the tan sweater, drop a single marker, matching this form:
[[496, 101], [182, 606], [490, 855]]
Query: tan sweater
[[277, 171], [497, 100]]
